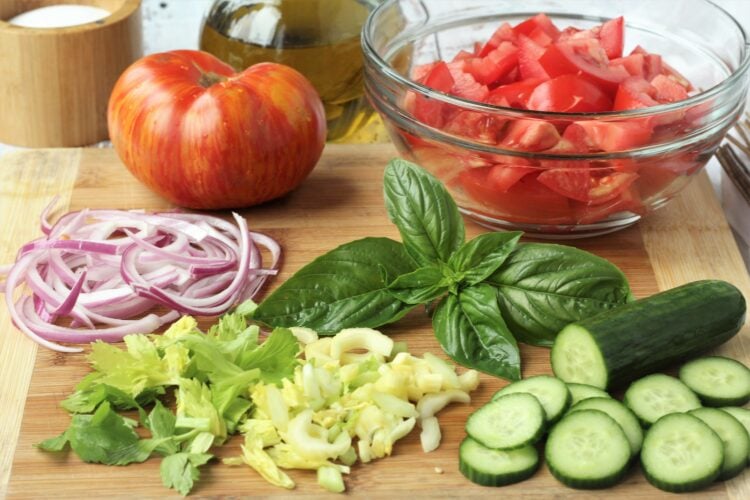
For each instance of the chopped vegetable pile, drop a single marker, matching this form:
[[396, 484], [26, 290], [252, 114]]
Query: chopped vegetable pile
[[106, 270], [351, 398], [539, 67]]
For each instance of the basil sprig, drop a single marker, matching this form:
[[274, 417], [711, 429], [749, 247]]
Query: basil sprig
[[488, 291]]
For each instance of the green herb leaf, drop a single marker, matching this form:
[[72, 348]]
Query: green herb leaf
[[480, 257], [419, 287], [86, 400], [161, 423], [543, 287], [180, 471], [347, 287], [102, 437], [133, 371], [54, 444], [276, 357], [471, 330], [426, 216]]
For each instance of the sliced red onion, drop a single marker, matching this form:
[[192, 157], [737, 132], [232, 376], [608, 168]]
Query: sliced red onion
[[104, 272]]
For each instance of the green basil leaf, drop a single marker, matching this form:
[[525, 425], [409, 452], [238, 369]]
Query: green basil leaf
[[346, 287], [480, 257], [471, 330], [419, 287], [426, 216], [543, 287]]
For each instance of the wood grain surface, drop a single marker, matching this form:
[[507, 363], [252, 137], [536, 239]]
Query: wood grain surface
[[342, 200]]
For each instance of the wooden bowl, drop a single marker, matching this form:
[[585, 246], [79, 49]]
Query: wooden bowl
[[55, 82]]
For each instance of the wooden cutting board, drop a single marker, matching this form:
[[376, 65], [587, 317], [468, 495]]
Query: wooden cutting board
[[341, 201]]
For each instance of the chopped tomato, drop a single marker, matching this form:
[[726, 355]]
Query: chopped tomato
[[515, 94], [527, 201], [528, 59], [430, 111], [530, 135], [615, 136], [569, 94], [635, 93], [611, 36], [494, 66], [580, 184], [504, 33], [627, 201], [475, 125], [503, 177], [633, 64], [585, 58], [540, 22], [419, 73], [668, 89], [467, 87], [439, 77], [653, 63], [572, 183]]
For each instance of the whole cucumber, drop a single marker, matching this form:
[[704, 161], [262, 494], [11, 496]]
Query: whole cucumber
[[641, 337]]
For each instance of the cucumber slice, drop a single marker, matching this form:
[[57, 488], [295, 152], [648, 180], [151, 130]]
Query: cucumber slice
[[733, 436], [579, 392], [508, 422], [657, 395], [551, 392], [743, 416], [681, 453], [576, 357], [717, 380], [587, 449], [621, 414], [488, 467]]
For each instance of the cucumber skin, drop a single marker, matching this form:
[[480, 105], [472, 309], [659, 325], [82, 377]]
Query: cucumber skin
[[650, 334]]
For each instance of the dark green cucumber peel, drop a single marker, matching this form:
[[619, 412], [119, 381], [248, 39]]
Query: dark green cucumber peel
[[650, 334]]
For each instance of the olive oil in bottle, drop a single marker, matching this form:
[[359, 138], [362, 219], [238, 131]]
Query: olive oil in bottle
[[319, 38]]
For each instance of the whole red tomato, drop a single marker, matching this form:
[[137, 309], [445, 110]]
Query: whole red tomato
[[200, 135]]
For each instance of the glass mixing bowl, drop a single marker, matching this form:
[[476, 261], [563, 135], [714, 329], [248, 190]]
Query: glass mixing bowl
[[491, 160]]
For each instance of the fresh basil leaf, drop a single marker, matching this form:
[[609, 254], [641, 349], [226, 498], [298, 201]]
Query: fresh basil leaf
[[180, 471], [347, 287], [419, 287], [543, 287], [499, 354], [426, 216], [471, 330], [480, 257]]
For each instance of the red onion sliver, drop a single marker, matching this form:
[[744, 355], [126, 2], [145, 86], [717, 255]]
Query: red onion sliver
[[106, 271]]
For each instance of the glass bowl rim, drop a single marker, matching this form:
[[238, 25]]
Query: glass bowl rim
[[728, 83]]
